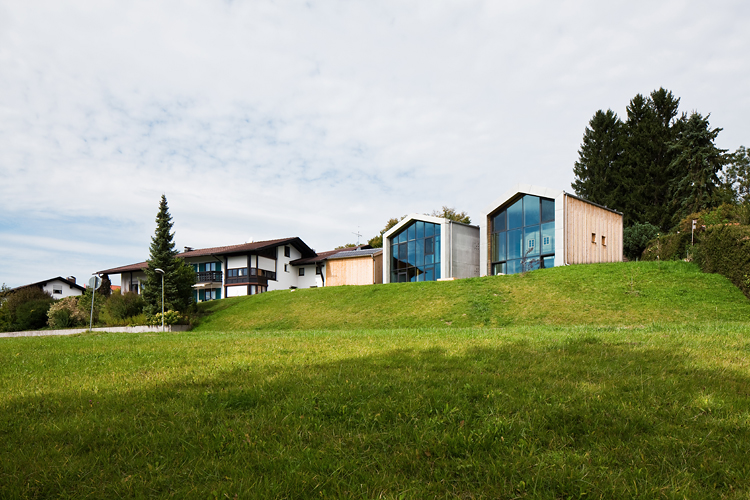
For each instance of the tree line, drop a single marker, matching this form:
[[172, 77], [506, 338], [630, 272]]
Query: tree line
[[658, 165]]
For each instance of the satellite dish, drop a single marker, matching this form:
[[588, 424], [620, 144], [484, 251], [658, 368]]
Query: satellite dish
[[95, 282]]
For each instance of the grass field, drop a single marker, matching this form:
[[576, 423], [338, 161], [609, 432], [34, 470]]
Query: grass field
[[651, 409]]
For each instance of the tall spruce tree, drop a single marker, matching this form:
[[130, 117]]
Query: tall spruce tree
[[695, 168], [626, 166], [597, 171], [179, 278]]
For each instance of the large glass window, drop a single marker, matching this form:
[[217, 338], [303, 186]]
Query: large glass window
[[415, 253], [523, 236]]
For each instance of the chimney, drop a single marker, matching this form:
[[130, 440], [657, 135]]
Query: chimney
[[189, 249], [72, 279]]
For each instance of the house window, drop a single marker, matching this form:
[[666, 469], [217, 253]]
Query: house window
[[604, 241], [301, 271], [212, 294], [286, 268], [318, 270], [593, 237], [134, 286], [236, 273], [57, 289], [212, 266], [514, 232], [287, 251]]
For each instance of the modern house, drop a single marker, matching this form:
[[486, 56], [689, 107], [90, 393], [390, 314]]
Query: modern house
[[426, 248], [532, 227], [59, 287], [236, 270], [356, 266]]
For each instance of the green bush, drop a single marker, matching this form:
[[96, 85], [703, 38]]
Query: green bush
[[16, 316], [122, 306], [32, 315], [65, 314], [84, 305], [725, 249], [674, 246], [636, 238], [170, 318]]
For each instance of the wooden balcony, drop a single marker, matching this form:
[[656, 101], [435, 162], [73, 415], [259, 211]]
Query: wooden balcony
[[208, 277]]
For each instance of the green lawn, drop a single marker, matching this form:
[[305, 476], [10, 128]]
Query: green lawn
[[651, 409]]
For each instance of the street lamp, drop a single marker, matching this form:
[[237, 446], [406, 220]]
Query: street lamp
[[160, 271]]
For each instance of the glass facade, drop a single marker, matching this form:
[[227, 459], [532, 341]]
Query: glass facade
[[415, 253], [523, 236]]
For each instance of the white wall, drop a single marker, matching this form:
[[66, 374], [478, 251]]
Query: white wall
[[268, 264], [236, 261], [310, 279], [236, 291], [67, 290]]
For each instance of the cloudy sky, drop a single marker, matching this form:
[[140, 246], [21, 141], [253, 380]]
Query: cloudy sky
[[318, 119]]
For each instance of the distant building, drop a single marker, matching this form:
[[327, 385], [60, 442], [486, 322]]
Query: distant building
[[58, 287], [426, 248], [533, 227], [360, 266]]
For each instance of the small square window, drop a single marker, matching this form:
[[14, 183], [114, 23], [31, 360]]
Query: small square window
[[301, 271], [604, 241], [593, 237], [57, 289]]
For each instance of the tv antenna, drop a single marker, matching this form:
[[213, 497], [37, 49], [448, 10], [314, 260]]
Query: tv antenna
[[358, 235]]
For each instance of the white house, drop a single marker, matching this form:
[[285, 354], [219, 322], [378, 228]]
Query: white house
[[59, 287], [245, 269], [426, 248]]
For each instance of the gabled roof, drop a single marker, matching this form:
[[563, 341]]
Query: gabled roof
[[329, 255], [59, 278], [254, 246]]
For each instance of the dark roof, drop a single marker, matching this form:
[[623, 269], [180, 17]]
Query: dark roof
[[59, 278], [318, 258], [255, 246], [361, 252]]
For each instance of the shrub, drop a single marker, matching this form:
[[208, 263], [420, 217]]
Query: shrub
[[668, 247], [170, 318], [65, 313], [16, 316], [636, 238], [84, 304], [122, 306], [725, 249]]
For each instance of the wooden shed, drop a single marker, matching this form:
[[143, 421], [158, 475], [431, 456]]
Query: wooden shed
[[363, 266]]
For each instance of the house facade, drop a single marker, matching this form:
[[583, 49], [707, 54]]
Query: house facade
[[532, 227], [426, 248], [360, 266], [236, 270], [58, 287]]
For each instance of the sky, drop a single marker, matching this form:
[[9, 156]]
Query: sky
[[319, 119]]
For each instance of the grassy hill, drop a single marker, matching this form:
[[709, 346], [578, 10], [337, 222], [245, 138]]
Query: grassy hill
[[622, 294]]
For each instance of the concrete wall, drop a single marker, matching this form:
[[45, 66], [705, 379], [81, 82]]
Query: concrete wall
[[464, 247]]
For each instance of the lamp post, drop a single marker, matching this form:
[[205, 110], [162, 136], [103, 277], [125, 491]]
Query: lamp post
[[160, 271]]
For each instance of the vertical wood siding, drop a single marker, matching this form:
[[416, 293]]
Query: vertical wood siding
[[582, 220], [354, 271]]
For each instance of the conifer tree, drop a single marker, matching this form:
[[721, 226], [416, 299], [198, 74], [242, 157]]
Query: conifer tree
[[178, 276], [597, 171], [695, 168], [105, 289]]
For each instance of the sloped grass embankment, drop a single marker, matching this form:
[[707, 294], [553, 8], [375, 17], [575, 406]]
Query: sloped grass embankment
[[623, 294]]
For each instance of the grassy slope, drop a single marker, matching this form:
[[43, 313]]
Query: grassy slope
[[626, 294]]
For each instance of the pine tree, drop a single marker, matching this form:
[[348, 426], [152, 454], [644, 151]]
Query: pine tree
[[105, 289], [695, 168], [597, 171], [178, 276]]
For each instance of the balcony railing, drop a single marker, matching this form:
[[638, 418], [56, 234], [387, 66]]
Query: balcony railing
[[250, 276], [208, 276]]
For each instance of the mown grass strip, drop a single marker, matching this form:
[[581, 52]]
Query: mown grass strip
[[539, 411]]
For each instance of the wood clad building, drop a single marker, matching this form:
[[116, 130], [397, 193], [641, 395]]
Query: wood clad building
[[532, 227], [363, 266]]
